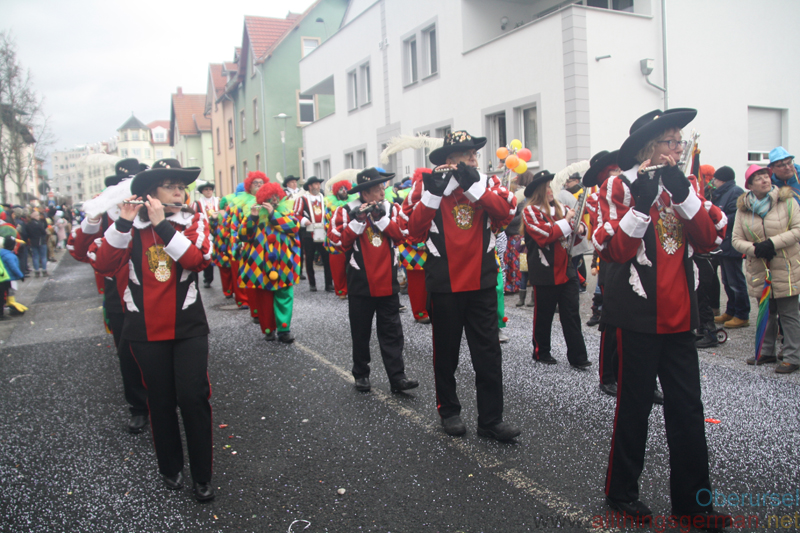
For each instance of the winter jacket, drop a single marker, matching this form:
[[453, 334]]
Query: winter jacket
[[11, 264], [36, 232], [725, 197], [782, 226], [791, 182]]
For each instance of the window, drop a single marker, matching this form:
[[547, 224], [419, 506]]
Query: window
[[244, 170], [135, 135], [366, 84], [318, 169], [258, 161], [147, 153], [160, 136], [233, 177], [530, 135], [137, 152], [361, 159], [123, 152], [410, 61], [124, 135], [159, 154], [230, 133], [616, 5], [218, 146], [326, 170], [309, 45], [349, 160], [352, 90], [497, 133], [306, 106], [244, 124], [255, 115], [429, 51], [392, 164], [764, 132], [220, 177]]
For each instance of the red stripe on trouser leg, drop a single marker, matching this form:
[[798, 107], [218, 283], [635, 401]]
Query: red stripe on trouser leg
[[263, 300], [417, 294], [238, 290], [616, 410], [253, 300], [226, 277], [338, 264]]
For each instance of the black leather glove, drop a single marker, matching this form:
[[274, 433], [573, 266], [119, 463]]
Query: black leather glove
[[360, 215], [378, 212], [675, 182], [765, 249], [435, 183], [466, 176], [644, 191]]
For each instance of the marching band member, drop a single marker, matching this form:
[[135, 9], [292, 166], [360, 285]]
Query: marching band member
[[309, 209], [649, 225], [552, 272], [454, 214], [164, 317], [365, 230], [207, 205]]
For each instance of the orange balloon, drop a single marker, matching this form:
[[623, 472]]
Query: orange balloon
[[511, 162], [525, 154], [502, 152]]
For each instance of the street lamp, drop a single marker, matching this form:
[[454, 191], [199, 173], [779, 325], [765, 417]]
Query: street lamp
[[283, 116]]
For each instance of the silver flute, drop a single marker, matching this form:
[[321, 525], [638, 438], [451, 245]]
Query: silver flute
[[142, 202], [685, 163]]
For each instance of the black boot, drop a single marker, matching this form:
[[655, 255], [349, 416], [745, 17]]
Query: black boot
[[522, 295], [709, 339]]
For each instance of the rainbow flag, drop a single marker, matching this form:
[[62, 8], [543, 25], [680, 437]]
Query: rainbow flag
[[763, 312]]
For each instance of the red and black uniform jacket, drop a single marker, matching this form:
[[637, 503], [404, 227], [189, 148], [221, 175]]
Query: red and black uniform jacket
[[161, 298], [309, 210], [650, 280], [206, 206], [547, 240], [80, 240], [458, 230], [370, 249]]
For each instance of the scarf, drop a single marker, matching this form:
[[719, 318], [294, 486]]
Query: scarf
[[760, 207]]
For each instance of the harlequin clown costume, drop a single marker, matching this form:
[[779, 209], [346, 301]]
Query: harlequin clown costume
[[649, 224], [234, 208], [271, 261], [220, 234], [412, 256], [336, 257]]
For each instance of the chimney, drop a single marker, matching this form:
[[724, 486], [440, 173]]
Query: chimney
[[180, 91]]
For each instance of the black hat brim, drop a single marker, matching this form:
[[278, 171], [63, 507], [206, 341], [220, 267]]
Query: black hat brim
[[369, 184], [287, 180], [206, 185], [311, 181], [590, 178], [439, 156], [533, 185], [110, 181], [669, 119], [144, 181]]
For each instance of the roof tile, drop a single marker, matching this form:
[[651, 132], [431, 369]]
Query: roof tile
[[189, 118]]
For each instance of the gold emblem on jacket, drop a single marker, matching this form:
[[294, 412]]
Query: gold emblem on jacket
[[669, 230], [375, 238], [159, 262], [463, 215]]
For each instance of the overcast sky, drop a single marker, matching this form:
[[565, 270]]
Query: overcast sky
[[95, 62]]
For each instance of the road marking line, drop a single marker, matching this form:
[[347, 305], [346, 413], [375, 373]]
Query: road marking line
[[510, 475]]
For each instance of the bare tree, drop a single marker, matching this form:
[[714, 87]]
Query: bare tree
[[24, 131]]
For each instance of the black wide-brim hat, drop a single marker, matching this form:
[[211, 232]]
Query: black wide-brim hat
[[288, 179], [309, 181], [648, 127], [162, 170], [598, 163], [456, 141], [206, 184], [543, 176], [128, 167], [368, 178], [110, 181]]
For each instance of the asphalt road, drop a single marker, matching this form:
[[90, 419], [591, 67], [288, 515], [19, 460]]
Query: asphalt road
[[303, 449]]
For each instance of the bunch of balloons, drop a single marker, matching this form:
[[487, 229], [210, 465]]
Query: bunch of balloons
[[515, 155]]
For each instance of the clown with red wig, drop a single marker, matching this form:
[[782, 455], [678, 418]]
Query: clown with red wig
[[270, 259], [337, 258], [412, 256]]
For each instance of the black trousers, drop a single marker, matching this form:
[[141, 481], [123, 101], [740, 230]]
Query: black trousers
[[176, 375], [208, 274], [714, 286], [386, 310], [609, 363], [475, 313], [673, 358], [707, 276], [580, 266], [545, 299], [309, 249], [132, 386]]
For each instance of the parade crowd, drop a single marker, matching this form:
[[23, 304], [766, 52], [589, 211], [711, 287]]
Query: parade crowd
[[457, 241]]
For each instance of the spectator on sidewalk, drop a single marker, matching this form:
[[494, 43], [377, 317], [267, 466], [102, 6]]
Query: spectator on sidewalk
[[36, 233]]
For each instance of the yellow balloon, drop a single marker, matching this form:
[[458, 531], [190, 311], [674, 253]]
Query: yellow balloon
[[522, 167], [516, 144], [273, 275]]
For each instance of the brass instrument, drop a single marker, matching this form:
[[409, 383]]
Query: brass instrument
[[685, 162]]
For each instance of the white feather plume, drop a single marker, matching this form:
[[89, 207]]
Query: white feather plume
[[348, 174], [406, 142], [108, 198], [561, 176]]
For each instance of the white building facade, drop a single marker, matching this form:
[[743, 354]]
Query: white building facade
[[564, 77]]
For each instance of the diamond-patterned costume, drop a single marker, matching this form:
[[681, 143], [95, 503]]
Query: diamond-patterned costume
[[269, 244]]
